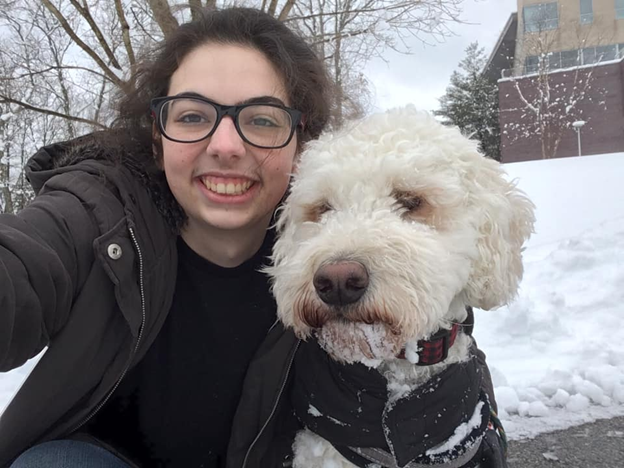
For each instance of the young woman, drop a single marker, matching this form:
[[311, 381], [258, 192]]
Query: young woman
[[137, 263]]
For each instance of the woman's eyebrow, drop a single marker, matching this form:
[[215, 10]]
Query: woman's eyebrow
[[251, 100], [190, 94], [263, 100]]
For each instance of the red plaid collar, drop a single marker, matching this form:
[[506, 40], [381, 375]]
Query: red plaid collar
[[435, 349]]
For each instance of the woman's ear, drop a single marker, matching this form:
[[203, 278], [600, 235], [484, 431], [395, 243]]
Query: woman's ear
[[157, 148]]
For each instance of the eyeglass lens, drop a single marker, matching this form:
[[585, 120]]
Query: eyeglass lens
[[189, 120]]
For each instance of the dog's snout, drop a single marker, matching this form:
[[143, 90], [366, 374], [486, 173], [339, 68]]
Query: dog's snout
[[341, 283]]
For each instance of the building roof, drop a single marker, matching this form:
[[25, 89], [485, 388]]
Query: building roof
[[502, 56]]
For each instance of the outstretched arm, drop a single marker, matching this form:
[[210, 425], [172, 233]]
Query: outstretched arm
[[45, 252]]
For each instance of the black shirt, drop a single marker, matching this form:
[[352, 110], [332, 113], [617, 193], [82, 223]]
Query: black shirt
[[175, 408]]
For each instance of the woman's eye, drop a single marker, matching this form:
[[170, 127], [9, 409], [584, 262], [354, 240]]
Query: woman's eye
[[263, 122], [191, 119]]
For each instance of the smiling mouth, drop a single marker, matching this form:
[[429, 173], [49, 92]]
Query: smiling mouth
[[227, 186]]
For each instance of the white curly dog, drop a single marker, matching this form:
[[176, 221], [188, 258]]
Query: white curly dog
[[391, 228]]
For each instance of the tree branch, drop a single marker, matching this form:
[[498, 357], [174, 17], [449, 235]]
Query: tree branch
[[68, 29], [163, 16], [195, 6], [86, 14], [125, 31], [404, 7], [8, 100], [52, 68], [272, 8], [286, 10], [138, 21]]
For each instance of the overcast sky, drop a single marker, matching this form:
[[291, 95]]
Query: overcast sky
[[422, 77]]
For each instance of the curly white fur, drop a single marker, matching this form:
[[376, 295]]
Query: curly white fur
[[436, 225]]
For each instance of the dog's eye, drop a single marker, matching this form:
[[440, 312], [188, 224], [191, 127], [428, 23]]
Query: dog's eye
[[409, 201], [324, 208], [314, 212]]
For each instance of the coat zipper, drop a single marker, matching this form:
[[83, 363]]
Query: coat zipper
[[138, 341], [274, 409]]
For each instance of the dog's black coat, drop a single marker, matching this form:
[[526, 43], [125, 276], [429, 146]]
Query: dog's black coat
[[348, 405]]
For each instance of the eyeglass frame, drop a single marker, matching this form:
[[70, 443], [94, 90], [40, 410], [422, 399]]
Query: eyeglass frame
[[157, 104]]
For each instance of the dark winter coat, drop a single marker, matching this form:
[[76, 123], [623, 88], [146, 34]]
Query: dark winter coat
[[89, 270]]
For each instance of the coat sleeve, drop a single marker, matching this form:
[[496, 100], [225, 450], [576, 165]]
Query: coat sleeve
[[46, 252]]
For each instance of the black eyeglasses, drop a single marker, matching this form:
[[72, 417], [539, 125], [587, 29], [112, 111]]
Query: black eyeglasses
[[192, 119]]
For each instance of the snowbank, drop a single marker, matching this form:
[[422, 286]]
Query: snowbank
[[555, 353]]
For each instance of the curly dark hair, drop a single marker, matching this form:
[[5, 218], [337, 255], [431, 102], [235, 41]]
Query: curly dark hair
[[307, 83]]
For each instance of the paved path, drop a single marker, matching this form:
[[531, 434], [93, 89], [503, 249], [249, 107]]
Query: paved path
[[595, 445]]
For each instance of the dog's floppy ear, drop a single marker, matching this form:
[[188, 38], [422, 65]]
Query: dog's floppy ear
[[505, 218]]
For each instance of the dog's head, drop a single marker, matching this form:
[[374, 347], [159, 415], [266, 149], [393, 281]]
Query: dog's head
[[391, 227]]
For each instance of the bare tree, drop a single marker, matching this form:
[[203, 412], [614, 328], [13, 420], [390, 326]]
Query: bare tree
[[86, 49], [17, 130], [62, 61], [348, 33], [554, 88]]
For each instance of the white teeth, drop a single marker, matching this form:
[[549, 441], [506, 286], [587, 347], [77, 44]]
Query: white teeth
[[227, 189]]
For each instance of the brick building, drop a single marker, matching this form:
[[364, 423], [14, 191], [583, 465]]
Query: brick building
[[560, 62]]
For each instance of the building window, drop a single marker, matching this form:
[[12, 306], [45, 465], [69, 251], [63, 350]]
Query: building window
[[604, 53], [600, 54], [570, 58], [589, 56], [554, 60], [619, 9], [531, 64], [541, 17], [587, 12]]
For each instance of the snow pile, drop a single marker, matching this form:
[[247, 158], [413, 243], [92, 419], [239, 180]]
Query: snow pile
[[555, 353]]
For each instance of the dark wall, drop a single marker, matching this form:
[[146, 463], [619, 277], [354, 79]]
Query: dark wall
[[602, 109]]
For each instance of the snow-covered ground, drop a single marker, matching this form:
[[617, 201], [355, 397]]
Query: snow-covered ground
[[556, 354]]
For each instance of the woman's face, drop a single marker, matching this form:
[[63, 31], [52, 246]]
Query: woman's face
[[197, 172]]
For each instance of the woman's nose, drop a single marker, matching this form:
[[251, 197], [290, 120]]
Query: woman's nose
[[225, 142]]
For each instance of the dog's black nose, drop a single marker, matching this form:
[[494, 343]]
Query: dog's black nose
[[341, 283]]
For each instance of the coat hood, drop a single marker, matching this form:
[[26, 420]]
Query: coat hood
[[101, 153]]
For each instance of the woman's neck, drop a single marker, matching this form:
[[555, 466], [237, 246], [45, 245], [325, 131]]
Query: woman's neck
[[226, 248]]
